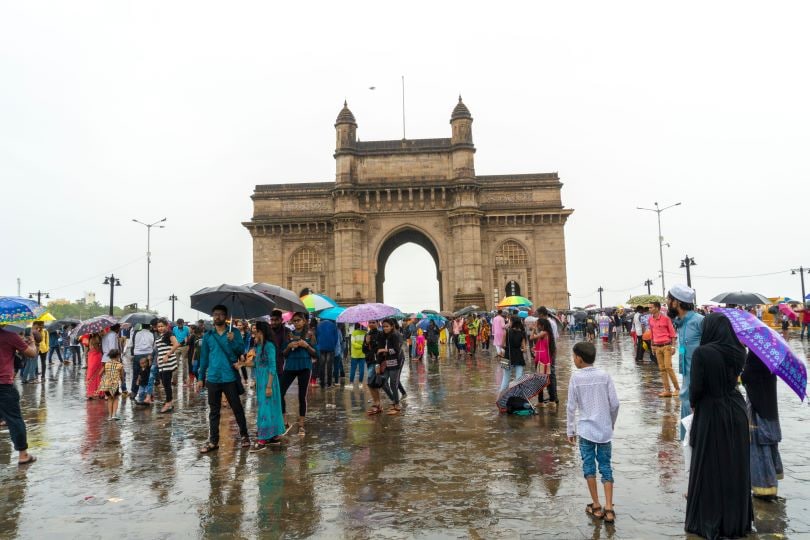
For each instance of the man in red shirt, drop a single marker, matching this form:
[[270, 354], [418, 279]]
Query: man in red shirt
[[663, 345], [9, 397]]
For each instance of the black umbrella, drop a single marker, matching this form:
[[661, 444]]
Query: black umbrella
[[137, 318], [241, 301], [741, 298], [64, 322], [465, 311], [284, 298], [580, 316]]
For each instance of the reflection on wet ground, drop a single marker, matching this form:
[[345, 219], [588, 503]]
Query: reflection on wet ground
[[450, 467]]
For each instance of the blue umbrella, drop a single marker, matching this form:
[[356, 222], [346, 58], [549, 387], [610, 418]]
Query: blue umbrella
[[424, 324], [331, 314], [16, 309]]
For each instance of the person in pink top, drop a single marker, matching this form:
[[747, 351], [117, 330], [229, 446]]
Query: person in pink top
[[498, 332], [663, 341]]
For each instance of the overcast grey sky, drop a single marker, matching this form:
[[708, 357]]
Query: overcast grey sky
[[117, 110]]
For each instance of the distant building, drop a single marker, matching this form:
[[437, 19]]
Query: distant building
[[89, 298], [486, 234]]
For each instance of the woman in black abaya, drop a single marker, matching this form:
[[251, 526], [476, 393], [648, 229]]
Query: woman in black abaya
[[719, 501]]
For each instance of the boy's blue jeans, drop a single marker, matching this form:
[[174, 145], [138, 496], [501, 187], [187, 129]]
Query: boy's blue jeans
[[593, 453], [358, 364]]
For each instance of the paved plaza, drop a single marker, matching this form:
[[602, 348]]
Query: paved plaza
[[449, 467]]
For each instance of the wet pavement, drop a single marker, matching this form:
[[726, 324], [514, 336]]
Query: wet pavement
[[449, 467]]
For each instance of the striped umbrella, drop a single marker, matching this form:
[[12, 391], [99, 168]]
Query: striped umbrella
[[317, 302], [526, 387]]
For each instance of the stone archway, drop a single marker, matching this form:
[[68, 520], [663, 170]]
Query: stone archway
[[395, 240]]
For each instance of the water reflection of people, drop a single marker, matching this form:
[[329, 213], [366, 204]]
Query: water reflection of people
[[766, 432]]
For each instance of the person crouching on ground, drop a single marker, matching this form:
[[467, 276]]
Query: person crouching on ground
[[591, 393]]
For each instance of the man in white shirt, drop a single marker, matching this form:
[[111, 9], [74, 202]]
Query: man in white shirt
[[638, 330], [543, 313]]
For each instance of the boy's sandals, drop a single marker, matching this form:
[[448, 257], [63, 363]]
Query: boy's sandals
[[393, 411], [595, 511], [610, 516], [208, 448], [374, 410]]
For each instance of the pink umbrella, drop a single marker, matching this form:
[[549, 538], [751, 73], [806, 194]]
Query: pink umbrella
[[789, 313]]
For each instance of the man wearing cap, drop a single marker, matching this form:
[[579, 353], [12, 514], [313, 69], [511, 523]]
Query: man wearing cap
[[689, 325]]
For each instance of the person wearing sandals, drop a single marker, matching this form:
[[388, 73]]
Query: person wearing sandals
[[389, 354], [219, 353], [591, 393], [370, 350], [166, 345], [299, 350], [269, 419]]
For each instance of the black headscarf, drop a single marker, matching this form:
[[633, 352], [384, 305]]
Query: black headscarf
[[720, 337], [760, 385]]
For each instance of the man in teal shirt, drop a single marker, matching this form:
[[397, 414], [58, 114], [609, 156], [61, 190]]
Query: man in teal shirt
[[219, 360], [689, 325]]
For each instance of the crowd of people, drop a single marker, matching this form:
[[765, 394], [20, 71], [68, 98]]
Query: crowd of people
[[732, 441]]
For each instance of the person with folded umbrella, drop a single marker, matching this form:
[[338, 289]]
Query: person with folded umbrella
[[766, 432], [219, 353]]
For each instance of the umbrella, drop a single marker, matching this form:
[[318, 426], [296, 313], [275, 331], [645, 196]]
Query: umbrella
[[514, 301], [424, 324], [317, 302], [645, 300], [741, 298], [285, 299], [16, 309], [65, 322], [523, 314], [16, 328], [241, 301], [580, 316], [526, 387], [789, 313], [446, 314], [46, 317], [770, 347], [137, 318], [331, 314], [432, 311], [465, 311], [367, 312], [94, 325]]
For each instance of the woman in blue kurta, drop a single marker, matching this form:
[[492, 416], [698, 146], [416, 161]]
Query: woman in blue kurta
[[269, 420]]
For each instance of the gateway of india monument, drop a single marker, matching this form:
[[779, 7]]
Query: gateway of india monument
[[489, 235]]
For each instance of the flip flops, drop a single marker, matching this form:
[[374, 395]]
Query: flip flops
[[31, 459], [208, 448]]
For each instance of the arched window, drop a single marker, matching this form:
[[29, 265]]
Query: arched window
[[510, 253], [305, 260]]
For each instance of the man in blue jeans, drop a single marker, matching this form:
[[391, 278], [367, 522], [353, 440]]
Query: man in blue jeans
[[10, 412], [327, 342]]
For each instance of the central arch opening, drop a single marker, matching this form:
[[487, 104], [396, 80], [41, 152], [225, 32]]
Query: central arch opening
[[408, 274]]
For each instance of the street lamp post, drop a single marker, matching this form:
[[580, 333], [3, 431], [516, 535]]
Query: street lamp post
[[149, 250], [601, 290], [687, 263], [658, 211], [39, 295], [801, 270], [648, 283], [113, 282], [173, 298]]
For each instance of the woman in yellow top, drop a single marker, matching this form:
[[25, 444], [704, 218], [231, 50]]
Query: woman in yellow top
[[44, 347], [483, 334]]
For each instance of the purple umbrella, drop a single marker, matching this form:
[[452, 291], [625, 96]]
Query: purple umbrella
[[770, 347], [367, 312]]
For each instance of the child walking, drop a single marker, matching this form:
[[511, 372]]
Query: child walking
[[592, 395], [111, 381]]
